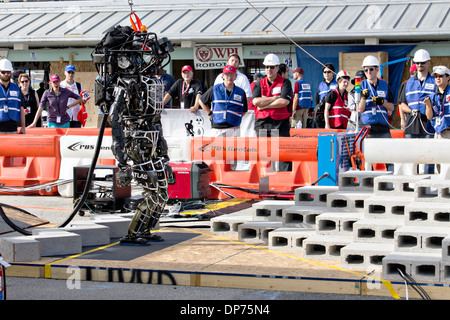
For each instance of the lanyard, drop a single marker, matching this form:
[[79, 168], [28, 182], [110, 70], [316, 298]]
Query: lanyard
[[183, 91]]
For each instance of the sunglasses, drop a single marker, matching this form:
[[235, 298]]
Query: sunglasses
[[5, 72], [270, 67], [418, 63], [328, 71], [24, 81], [369, 69]]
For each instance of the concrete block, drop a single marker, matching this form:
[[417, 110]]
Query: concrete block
[[365, 256], [313, 195], [118, 226], [347, 201], [325, 246], [422, 267], [376, 230], [432, 214], [334, 223], [92, 234], [56, 242], [445, 271], [229, 223], [20, 248], [397, 185], [386, 207], [433, 190], [289, 239], [270, 210], [256, 231], [446, 249], [419, 239], [301, 216], [359, 180]]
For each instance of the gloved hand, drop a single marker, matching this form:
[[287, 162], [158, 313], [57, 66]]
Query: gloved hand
[[365, 93], [378, 101]]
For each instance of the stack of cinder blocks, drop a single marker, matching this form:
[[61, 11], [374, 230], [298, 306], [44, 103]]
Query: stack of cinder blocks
[[344, 208], [372, 220], [422, 245], [45, 242]]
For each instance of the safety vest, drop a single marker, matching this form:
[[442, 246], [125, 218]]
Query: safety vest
[[372, 113], [273, 90], [416, 92], [324, 88], [227, 109], [339, 112], [441, 111], [304, 95], [10, 103]]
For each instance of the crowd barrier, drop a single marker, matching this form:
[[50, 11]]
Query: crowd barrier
[[28, 160], [44, 155], [241, 162]]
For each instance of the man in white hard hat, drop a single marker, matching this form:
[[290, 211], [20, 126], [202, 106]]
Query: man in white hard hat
[[438, 105], [271, 96], [11, 111], [417, 88], [376, 102]]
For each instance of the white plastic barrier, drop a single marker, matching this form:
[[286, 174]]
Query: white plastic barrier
[[408, 154], [184, 123], [78, 151]]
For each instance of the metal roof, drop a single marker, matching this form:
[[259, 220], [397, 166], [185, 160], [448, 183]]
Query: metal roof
[[76, 23]]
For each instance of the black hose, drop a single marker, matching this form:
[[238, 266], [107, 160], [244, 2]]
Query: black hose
[[82, 200]]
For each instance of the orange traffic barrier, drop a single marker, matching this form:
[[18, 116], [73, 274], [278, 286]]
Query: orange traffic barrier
[[241, 162], [28, 160], [67, 131]]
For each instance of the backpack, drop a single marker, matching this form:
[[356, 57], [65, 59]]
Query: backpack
[[319, 114]]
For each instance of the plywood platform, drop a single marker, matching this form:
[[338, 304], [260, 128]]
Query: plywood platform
[[193, 257], [190, 255]]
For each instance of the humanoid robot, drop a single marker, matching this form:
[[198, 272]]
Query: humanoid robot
[[128, 91]]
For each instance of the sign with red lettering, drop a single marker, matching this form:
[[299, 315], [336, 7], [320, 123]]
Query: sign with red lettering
[[215, 56]]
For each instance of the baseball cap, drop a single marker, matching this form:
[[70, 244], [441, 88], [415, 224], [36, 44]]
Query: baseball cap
[[298, 70], [229, 69], [70, 67], [441, 70], [54, 77], [186, 67]]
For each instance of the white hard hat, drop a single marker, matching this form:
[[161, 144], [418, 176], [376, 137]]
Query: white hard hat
[[421, 55], [441, 70], [370, 61], [271, 60], [6, 65], [343, 74]]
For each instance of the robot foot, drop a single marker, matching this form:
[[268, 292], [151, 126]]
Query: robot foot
[[133, 241], [151, 237]]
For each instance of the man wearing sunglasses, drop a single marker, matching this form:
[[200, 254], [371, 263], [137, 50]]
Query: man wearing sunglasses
[[11, 111], [417, 88], [376, 102], [271, 96], [438, 105]]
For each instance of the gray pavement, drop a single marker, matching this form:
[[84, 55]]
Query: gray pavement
[[51, 289]]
